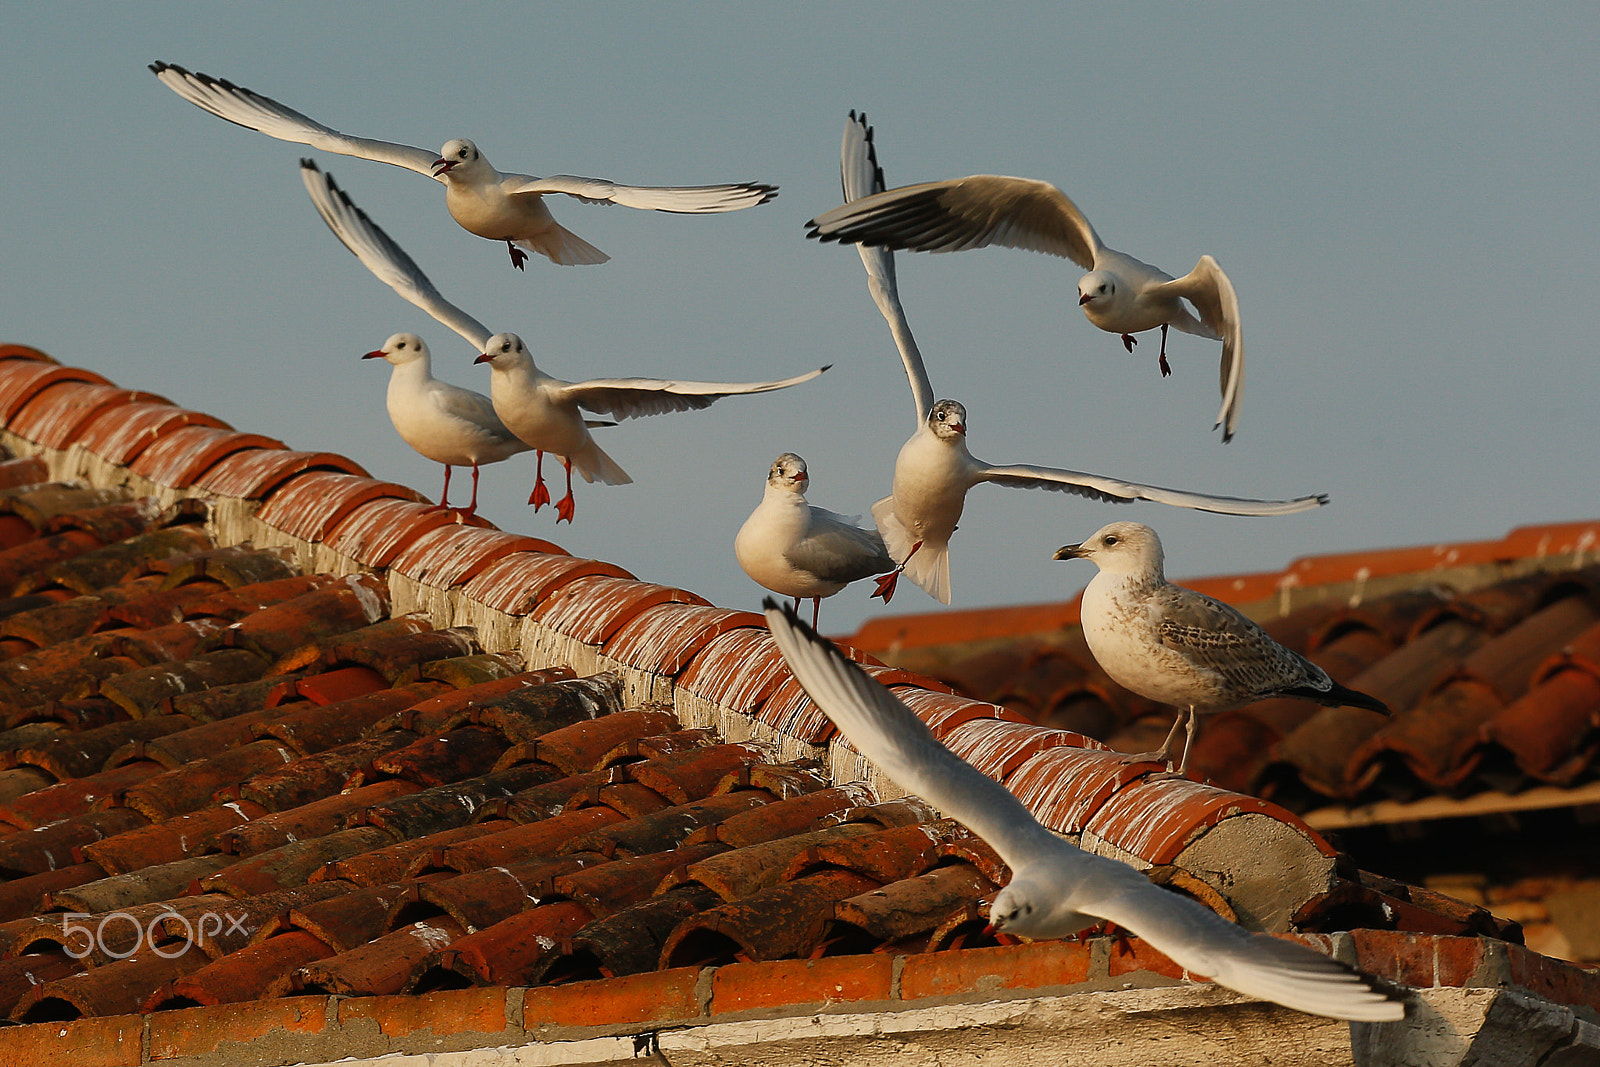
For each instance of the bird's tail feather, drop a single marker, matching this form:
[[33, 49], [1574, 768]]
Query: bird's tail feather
[[595, 465], [560, 245], [929, 567]]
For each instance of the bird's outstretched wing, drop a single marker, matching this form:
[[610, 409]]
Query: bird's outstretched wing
[[887, 732], [265, 115], [1211, 293], [1113, 490], [963, 213], [632, 398], [382, 256], [684, 199]]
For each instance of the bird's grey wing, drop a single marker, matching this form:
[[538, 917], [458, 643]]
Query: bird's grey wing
[[1211, 293], [1258, 965], [632, 398], [888, 733], [1216, 637], [265, 115], [861, 176], [963, 213], [378, 252], [1099, 487], [684, 199], [839, 551], [472, 407]]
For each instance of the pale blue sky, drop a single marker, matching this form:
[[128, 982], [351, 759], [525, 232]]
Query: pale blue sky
[[1403, 195]]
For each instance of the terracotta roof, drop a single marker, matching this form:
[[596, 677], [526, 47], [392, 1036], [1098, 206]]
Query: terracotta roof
[[271, 734]]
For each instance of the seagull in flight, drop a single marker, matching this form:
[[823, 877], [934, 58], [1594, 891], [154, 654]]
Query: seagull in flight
[[443, 422], [1057, 889], [1176, 646], [934, 470], [1120, 294], [543, 412], [799, 550], [500, 207]]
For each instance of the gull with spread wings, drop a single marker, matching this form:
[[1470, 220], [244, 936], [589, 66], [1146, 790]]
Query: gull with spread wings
[[1057, 889], [500, 207], [541, 411], [934, 470]]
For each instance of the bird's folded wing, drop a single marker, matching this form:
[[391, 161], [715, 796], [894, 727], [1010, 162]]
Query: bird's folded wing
[[888, 733], [860, 175], [632, 398], [963, 213], [265, 115], [839, 551], [472, 407], [1211, 293], [688, 199], [382, 256], [1099, 487]]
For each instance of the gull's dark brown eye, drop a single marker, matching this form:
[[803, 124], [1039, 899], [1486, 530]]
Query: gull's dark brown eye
[[1110, 539]]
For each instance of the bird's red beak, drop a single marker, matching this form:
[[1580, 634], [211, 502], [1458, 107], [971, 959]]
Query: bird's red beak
[[485, 358], [442, 166], [1084, 299], [373, 355], [989, 930], [959, 427]]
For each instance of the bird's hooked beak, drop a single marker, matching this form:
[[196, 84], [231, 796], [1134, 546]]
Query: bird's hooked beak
[[443, 166], [801, 478], [374, 355], [959, 427], [1085, 298], [1069, 552], [484, 358]]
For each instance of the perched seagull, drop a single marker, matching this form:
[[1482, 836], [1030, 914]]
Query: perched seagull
[[1057, 889], [501, 207], [934, 469], [1180, 647], [541, 411], [799, 550], [443, 422], [1120, 294]]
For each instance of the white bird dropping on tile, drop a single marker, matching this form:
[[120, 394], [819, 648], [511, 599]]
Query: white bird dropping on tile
[[445, 423], [482, 200], [540, 410], [1120, 294], [799, 550], [1057, 889], [934, 470], [1179, 647]]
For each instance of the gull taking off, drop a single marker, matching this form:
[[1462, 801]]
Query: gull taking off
[[541, 411], [934, 470], [1057, 889], [443, 422], [501, 207], [1120, 294], [1180, 647], [799, 550]]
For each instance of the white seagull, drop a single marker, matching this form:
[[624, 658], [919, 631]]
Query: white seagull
[[1057, 889], [1176, 646], [1120, 294], [799, 550], [501, 207], [443, 422], [934, 469], [540, 410]]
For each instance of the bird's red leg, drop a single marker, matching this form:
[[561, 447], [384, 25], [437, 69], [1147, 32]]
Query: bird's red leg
[[566, 506], [541, 495], [444, 497], [887, 582], [816, 607], [518, 256], [1128, 341], [472, 508], [1166, 368]]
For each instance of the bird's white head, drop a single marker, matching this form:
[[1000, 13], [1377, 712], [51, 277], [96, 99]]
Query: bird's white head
[[504, 351], [948, 420], [1122, 548], [459, 154], [400, 349], [789, 473], [1096, 287]]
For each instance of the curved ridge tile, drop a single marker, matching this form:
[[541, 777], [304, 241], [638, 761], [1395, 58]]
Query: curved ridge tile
[[1064, 786], [56, 415], [22, 379], [449, 555], [516, 582], [943, 712], [118, 436], [738, 669], [183, 455], [254, 474], [664, 638], [1157, 819], [593, 608], [997, 747], [1546, 730], [311, 504], [379, 530]]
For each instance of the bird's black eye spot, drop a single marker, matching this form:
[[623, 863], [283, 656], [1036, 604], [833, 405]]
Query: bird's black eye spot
[[1111, 539]]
